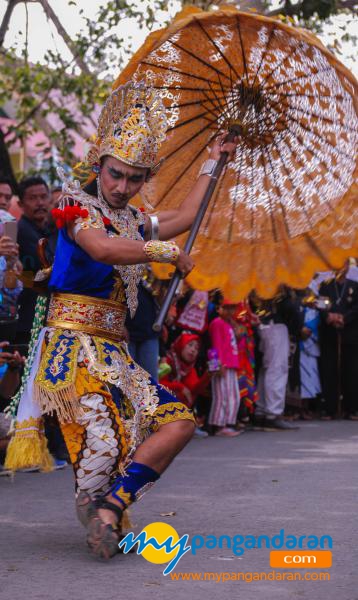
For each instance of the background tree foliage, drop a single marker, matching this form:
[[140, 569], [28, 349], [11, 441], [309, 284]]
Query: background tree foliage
[[71, 89]]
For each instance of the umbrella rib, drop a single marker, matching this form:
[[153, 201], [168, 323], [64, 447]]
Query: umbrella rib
[[219, 105], [231, 103], [233, 211], [317, 250], [252, 187], [288, 55], [315, 115], [308, 131], [213, 203], [313, 154], [201, 60], [317, 135], [179, 72], [188, 141], [226, 110], [263, 118], [179, 89], [212, 110], [194, 102], [231, 67], [295, 94], [303, 165], [232, 99], [296, 192], [273, 224], [282, 206], [273, 29], [216, 105], [172, 184], [289, 177], [187, 121], [325, 164], [270, 87], [242, 48]]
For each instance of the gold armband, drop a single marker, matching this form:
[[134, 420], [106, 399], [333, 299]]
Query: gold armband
[[164, 252]]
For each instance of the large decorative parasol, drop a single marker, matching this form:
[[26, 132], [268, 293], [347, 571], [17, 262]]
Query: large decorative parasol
[[287, 205]]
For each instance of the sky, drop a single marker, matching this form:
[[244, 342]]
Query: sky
[[42, 34]]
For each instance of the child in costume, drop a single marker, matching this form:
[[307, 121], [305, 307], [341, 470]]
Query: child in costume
[[183, 379], [225, 387]]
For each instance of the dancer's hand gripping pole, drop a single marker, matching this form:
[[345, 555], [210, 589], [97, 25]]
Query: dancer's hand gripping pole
[[234, 131]]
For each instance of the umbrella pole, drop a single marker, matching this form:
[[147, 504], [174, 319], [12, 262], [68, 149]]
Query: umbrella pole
[[234, 130]]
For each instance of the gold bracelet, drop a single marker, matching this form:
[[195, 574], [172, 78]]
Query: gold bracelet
[[164, 252]]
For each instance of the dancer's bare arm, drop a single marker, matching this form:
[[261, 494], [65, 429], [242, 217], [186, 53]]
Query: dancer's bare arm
[[119, 251], [175, 222]]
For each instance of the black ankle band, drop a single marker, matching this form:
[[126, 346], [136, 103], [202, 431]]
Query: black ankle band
[[103, 503]]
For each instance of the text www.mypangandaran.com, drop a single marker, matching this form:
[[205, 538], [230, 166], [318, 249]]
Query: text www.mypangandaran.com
[[251, 576]]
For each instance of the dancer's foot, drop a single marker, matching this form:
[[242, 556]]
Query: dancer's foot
[[85, 508], [104, 529], [102, 539], [102, 520]]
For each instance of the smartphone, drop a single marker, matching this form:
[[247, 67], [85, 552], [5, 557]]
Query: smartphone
[[10, 230], [323, 303]]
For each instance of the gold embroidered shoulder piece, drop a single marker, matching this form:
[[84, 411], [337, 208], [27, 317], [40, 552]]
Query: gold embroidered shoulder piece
[[125, 223], [94, 220]]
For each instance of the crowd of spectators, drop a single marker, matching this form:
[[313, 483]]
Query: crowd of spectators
[[262, 364], [256, 364]]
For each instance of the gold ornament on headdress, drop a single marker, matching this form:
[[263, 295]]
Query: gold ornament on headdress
[[131, 127]]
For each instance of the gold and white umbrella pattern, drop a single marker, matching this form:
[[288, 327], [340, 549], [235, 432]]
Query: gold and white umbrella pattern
[[287, 205]]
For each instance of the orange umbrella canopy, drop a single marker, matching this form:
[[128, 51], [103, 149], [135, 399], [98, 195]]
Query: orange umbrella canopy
[[287, 205]]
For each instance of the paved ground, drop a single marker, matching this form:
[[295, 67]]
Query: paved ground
[[303, 481]]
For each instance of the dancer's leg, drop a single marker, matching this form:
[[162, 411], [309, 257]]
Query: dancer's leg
[[150, 460]]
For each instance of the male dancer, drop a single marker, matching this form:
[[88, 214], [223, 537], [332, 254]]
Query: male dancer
[[121, 428]]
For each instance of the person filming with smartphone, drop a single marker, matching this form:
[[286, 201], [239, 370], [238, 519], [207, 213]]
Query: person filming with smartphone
[[10, 266]]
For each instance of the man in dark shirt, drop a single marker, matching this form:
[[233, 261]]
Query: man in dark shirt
[[34, 200], [339, 345]]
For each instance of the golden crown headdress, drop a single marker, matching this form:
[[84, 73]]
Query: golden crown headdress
[[131, 127]]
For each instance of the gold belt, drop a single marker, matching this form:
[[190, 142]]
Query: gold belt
[[96, 316]]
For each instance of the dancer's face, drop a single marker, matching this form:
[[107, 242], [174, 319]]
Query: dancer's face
[[120, 182]]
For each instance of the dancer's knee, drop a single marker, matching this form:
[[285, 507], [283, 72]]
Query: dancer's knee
[[183, 430]]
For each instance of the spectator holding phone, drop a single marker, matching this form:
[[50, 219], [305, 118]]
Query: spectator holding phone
[[10, 266], [6, 193], [35, 202]]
